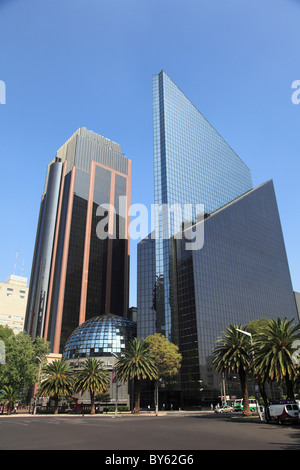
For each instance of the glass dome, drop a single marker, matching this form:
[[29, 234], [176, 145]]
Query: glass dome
[[100, 336]]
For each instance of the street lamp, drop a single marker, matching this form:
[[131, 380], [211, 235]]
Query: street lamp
[[245, 333], [116, 376], [250, 335], [224, 389], [157, 385], [38, 384]]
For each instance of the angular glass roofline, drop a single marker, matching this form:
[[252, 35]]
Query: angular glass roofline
[[234, 201], [163, 72]]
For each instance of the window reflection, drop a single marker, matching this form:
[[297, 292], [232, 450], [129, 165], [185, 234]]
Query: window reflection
[[100, 336]]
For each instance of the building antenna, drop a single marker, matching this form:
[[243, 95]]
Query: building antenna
[[17, 254]]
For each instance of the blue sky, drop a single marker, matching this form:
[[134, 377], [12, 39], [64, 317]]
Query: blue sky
[[72, 63]]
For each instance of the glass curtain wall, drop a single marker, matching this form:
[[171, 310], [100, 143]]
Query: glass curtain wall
[[192, 165], [240, 274]]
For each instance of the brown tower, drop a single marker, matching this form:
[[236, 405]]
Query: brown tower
[[81, 260]]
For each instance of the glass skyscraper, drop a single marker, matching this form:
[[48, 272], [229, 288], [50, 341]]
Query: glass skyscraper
[[79, 272], [192, 165], [192, 162], [191, 296], [240, 274]]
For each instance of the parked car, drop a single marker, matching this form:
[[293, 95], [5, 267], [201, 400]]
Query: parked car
[[224, 409]]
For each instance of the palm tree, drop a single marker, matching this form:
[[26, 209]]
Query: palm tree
[[137, 363], [58, 381], [255, 327], [233, 355], [10, 395], [92, 377], [273, 349]]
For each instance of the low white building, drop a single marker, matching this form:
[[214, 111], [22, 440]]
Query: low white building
[[13, 301]]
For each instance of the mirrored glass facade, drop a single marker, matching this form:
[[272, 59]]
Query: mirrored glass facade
[[147, 289], [240, 273], [100, 336], [192, 165]]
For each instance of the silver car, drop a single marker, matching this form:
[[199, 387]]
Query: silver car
[[224, 409]]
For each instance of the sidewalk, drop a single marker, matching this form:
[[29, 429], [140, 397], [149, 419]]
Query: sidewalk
[[111, 414]]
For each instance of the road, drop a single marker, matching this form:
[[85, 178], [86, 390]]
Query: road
[[184, 432]]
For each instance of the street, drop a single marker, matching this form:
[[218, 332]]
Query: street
[[184, 432]]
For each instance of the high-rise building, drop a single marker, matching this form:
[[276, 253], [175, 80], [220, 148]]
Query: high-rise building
[[13, 300], [81, 259], [297, 298], [240, 272], [192, 165]]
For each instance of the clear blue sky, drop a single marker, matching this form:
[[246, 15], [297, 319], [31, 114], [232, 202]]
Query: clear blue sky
[[72, 63]]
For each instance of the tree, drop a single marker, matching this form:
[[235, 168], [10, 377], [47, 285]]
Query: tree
[[20, 367], [6, 333], [103, 397], [273, 350], [57, 381], [136, 363], [167, 359], [233, 354], [92, 377], [9, 396]]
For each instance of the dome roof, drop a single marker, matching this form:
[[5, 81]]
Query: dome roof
[[100, 336]]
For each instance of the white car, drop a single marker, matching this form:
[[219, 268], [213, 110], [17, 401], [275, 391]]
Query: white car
[[224, 409]]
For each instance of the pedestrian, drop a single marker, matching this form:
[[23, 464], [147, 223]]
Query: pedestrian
[[148, 408]]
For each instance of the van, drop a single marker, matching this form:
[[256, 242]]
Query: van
[[238, 405], [282, 412]]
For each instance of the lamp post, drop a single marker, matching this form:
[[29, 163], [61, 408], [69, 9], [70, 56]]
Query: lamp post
[[250, 336], [224, 389], [160, 380], [116, 376], [156, 404], [38, 384], [245, 333]]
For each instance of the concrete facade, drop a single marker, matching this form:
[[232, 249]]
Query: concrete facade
[[13, 301]]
